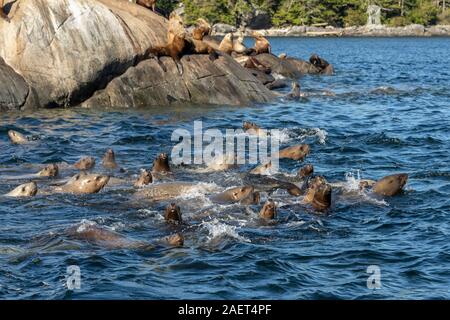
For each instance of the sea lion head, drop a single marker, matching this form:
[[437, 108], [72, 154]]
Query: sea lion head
[[109, 159], [176, 25], [85, 163], [249, 125], [253, 198], [86, 183], [262, 169], [269, 210], [50, 170], [176, 240], [24, 190], [319, 193], [306, 171], [17, 137], [144, 179], [173, 213], [298, 152], [391, 185], [240, 193], [282, 56], [161, 163]]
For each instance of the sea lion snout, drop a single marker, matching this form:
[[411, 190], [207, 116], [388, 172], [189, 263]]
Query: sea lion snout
[[173, 213], [268, 211]]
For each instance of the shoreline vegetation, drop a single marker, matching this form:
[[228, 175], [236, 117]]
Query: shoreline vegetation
[[299, 18]]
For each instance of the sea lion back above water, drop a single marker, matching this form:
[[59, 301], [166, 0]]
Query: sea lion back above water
[[297, 152], [24, 190], [233, 195]]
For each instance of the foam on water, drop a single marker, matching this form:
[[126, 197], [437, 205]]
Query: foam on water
[[217, 229]]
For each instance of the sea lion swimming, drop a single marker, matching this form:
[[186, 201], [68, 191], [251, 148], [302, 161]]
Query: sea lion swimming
[[295, 93], [298, 152], [262, 169], [253, 198], [269, 210], [321, 64], [173, 214], [161, 164], [306, 171], [390, 185], [170, 190], [233, 195], [144, 179], [269, 184], [50, 170], [318, 194], [109, 160], [253, 128], [85, 163], [83, 183], [24, 190], [17, 137]]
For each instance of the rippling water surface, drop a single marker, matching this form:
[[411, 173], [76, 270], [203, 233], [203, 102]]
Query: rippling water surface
[[389, 112]]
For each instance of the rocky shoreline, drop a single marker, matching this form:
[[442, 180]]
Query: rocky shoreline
[[413, 30]]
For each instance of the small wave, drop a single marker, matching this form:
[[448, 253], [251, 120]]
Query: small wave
[[217, 229]]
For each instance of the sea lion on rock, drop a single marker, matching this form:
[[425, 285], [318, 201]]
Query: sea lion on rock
[[150, 4], [321, 64], [262, 45], [306, 171], [173, 214], [84, 183], [318, 194], [17, 137], [109, 160], [85, 163], [277, 84], [253, 63], [202, 29], [233, 195], [144, 179], [269, 210], [282, 56], [298, 152], [50, 170], [24, 190], [161, 164], [390, 185], [226, 45]]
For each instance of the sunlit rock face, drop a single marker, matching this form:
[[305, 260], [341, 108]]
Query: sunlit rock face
[[68, 50]]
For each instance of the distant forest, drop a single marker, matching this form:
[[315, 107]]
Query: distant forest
[[337, 13]]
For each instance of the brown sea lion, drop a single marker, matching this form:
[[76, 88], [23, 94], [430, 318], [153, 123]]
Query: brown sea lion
[[269, 210], [226, 45], [298, 152], [253, 63], [202, 29], [24, 190], [161, 164], [390, 185], [109, 160], [306, 171], [318, 193], [150, 4], [262, 45], [84, 183], [176, 240], [144, 179], [85, 163], [253, 128], [282, 56], [175, 45], [50, 170], [17, 137], [295, 93], [170, 190], [233, 195], [173, 214], [262, 169], [321, 64]]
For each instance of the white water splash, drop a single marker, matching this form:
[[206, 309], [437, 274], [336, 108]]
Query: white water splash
[[85, 224], [216, 229]]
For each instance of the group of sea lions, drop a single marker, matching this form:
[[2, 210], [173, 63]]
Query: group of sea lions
[[153, 185]]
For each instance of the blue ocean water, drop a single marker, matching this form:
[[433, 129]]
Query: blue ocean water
[[385, 111]]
